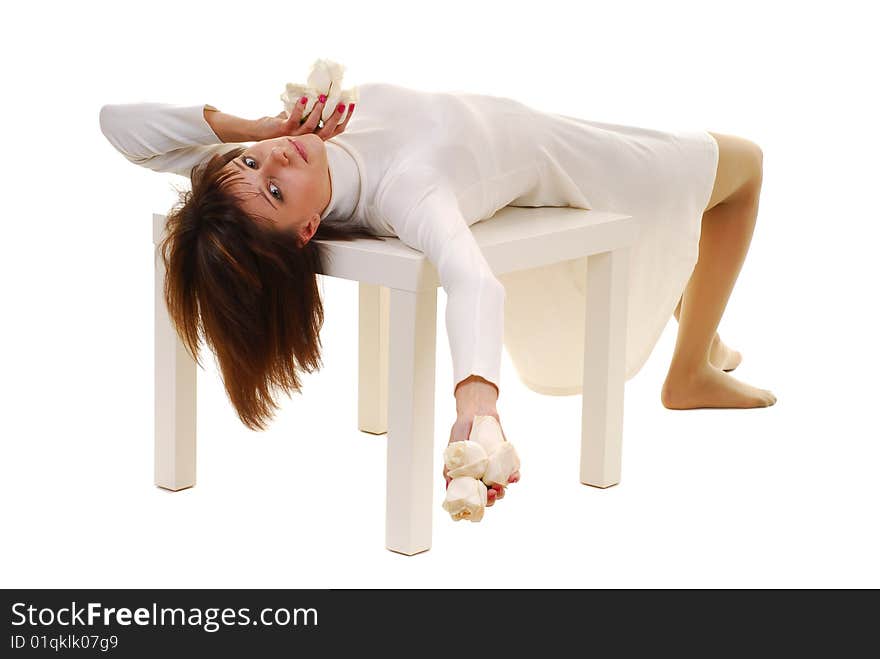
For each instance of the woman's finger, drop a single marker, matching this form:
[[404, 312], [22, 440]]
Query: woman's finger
[[292, 127], [341, 127], [315, 115], [330, 125]]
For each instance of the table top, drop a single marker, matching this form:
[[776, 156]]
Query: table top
[[515, 238]]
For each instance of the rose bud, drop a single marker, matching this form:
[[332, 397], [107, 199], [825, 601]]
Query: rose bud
[[465, 459], [466, 499], [502, 463]]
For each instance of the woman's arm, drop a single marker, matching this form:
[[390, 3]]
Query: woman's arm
[[165, 137], [175, 138], [228, 127], [424, 214]]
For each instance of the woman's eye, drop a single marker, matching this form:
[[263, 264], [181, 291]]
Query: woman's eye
[[273, 189]]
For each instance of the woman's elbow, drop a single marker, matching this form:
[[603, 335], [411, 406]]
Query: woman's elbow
[[117, 125], [111, 122], [483, 281], [108, 119]]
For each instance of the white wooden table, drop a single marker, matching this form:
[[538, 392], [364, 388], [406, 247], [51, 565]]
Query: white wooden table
[[398, 307]]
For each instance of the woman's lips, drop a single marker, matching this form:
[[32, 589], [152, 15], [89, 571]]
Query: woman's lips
[[301, 151]]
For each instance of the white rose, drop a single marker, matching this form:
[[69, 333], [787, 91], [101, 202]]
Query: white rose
[[326, 76], [501, 464], [293, 93], [487, 432], [465, 459], [466, 499], [503, 459], [350, 95]]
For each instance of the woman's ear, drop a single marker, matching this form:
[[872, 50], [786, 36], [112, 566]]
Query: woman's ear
[[309, 229]]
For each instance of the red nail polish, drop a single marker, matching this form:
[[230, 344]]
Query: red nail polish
[[303, 100], [323, 98], [340, 108], [350, 107]]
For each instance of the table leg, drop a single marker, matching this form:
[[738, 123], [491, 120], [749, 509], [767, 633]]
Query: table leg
[[174, 396], [410, 461], [373, 309], [604, 368]]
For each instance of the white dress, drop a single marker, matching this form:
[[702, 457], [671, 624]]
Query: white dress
[[425, 166]]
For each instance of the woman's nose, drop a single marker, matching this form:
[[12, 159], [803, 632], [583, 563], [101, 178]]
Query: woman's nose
[[279, 154]]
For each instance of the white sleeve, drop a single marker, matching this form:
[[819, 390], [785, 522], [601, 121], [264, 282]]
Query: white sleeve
[[425, 215], [161, 136]]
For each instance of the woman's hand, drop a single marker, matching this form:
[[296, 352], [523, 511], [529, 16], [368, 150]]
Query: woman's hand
[[475, 395], [283, 124]]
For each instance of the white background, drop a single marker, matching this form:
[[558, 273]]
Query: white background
[[783, 496]]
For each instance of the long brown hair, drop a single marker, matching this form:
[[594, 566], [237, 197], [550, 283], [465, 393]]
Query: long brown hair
[[248, 289]]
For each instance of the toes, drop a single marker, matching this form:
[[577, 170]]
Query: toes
[[514, 477]]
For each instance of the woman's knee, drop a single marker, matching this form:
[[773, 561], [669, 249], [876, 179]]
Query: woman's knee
[[748, 166], [740, 168], [754, 156]]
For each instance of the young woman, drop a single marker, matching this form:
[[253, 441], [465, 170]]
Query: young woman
[[423, 166]]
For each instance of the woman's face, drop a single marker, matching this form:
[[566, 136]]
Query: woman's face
[[278, 182]]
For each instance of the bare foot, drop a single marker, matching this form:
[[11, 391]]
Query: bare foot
[[461, 431], [722, 356], [711, 387]]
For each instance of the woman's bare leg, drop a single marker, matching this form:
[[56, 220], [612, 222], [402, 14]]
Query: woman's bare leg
[[726, 232], [720, 354]]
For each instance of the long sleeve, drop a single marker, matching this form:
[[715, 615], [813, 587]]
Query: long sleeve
[[161, 136], [424, 213]]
